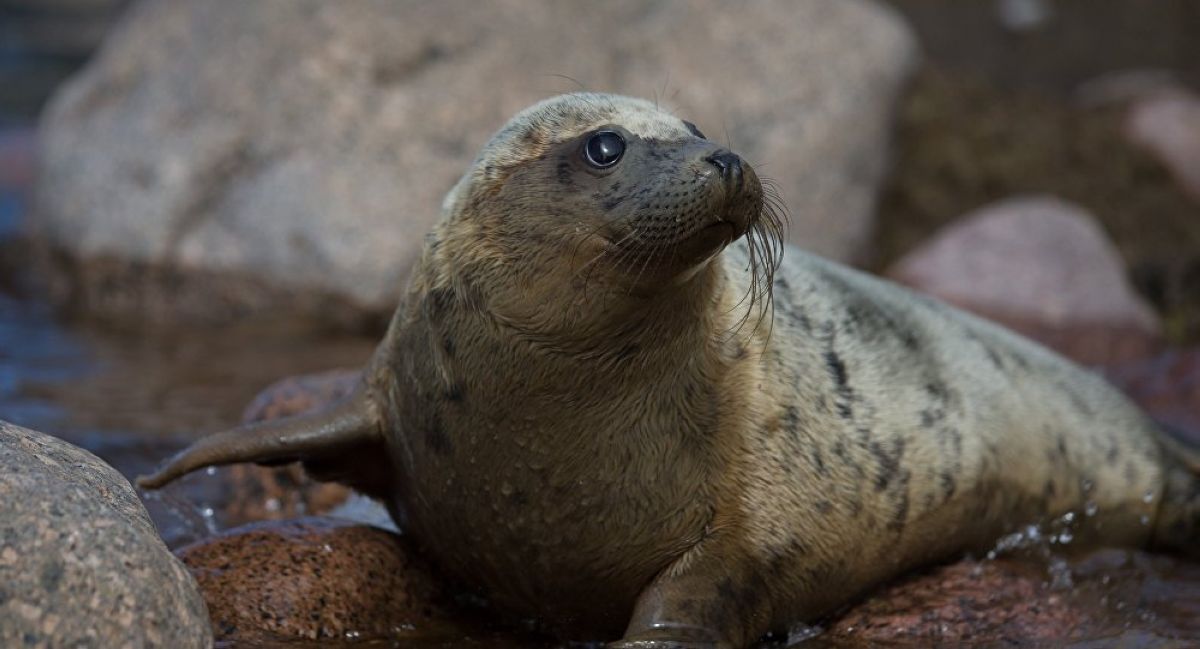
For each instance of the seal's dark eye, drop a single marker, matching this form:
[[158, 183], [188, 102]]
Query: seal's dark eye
[[604, 148]]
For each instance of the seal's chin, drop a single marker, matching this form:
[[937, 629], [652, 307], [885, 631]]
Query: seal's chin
[[711, 239], [707, 242], [701, 245]]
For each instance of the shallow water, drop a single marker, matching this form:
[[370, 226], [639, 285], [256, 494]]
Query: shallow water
[[133, 399]]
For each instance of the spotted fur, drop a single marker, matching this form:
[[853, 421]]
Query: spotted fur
[[586, 409]]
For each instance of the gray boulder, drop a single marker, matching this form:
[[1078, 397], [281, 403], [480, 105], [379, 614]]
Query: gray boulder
[[80, 562], [294, 152]]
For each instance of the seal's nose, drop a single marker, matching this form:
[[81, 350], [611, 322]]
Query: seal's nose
[[730, 166]]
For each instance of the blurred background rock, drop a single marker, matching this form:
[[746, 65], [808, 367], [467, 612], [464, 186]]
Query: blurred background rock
[[1046, 108], [218, 161]]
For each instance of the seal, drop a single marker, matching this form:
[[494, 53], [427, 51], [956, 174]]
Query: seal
[[610, 401]]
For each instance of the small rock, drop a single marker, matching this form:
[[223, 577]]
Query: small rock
[[301, 394], [314, 578], [293, 153], [982, 602], [276, 493], [80, 562], [228, 496], [1043, 267], [1167, 124], [259, 493]]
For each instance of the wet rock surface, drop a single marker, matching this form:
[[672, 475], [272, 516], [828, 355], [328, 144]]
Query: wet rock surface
[[230, 496], [260, 493], [80, 561], [314, 578], [294, 153], [979, 601], [1102, 599], [298, 395], [256, 493], [1044, 268]]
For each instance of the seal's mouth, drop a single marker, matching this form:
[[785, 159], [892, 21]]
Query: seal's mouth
[[727, 230], [706, 241]]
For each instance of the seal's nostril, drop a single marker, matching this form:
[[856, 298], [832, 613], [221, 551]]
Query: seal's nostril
[[729, 163], [724, 160]]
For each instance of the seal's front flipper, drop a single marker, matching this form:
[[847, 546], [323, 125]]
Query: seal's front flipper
[[321, 440], [711, 598]]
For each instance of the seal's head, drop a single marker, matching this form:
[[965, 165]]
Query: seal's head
[[608, 193]]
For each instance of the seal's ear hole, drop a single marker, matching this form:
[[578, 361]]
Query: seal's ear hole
[[693, 130], [604, 149]]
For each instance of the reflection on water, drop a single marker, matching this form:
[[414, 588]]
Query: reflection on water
[[10, 207], [103, 386], [34, 352]]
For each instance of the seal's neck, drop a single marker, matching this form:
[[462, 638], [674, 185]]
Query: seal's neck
[[607, 324]]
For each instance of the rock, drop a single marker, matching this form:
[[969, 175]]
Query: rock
[[301, 394], [213, 161], [1166, 386], [1167, 124], [1091, 598], [238, 494], [313, 578], [80, 561], [224, 497], [1043, 267], [983, 602], [260, 493]]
